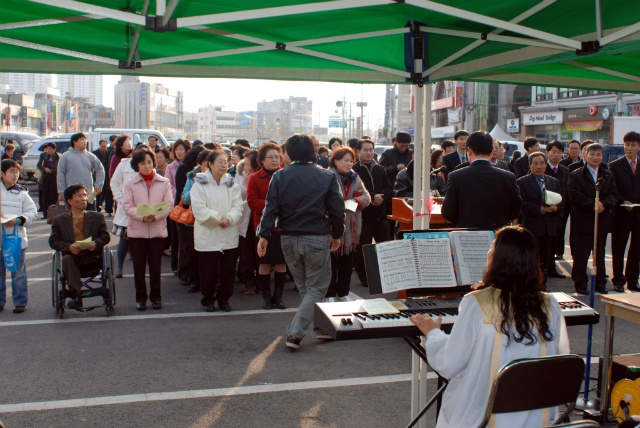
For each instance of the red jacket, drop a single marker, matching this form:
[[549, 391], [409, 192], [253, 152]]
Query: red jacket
[[257, 189]]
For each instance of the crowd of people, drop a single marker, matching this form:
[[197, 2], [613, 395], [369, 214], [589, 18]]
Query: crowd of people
[[241, 197]]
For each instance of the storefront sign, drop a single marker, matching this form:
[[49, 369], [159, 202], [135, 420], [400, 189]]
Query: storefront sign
[[443, 132], [443, 103], [542, 118], [513, 125], [584, 125]]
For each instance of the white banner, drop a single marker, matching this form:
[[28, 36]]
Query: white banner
[[542, 118], [453, 114], [443, 132], [513, 125]]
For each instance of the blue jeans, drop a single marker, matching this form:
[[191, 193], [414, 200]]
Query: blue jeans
[[18, 282], [310, 264]]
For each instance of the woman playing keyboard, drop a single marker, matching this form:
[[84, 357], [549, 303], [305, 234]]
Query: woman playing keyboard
[[508, 314]]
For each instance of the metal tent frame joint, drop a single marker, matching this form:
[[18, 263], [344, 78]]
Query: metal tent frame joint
[[155, 23], [281, 46], [589, 48], [126, 65]]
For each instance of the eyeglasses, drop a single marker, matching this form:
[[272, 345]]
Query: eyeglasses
[[273, 157]]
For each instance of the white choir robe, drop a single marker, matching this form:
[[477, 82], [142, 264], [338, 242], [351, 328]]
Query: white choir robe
[[464, 357]]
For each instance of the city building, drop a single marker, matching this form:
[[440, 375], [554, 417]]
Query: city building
[[81, 86], [148, 105], [91, 117], [28, 83], [278, 119]]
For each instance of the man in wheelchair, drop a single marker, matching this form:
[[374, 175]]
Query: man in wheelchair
[[68, 229]]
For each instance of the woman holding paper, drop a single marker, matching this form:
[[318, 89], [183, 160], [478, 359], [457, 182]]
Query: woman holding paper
[[506, 314], [269, 158], [217, 205], [146, 233], [356, 198]]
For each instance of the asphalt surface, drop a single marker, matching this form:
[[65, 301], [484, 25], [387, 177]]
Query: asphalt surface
[[183, 367]]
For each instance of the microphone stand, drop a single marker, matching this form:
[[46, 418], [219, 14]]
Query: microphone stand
[[584, 402]]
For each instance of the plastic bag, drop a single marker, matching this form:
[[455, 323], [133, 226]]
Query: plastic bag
[[11, 249]]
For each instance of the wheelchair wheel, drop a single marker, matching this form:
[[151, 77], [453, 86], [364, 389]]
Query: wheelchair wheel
[[108, 282], [56, 285]]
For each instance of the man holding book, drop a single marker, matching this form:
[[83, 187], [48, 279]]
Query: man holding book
[[540, 216], [481, 196]]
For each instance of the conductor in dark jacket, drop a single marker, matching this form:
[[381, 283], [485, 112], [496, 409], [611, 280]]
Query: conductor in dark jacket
[[582, 190], [538, 216], [374, 217], [481, 196], [626, 220], [77, 225]]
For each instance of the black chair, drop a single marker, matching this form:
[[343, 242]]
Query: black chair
[[578, 424], [536, 383]]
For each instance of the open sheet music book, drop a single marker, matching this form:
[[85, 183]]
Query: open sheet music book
[[433, 259]]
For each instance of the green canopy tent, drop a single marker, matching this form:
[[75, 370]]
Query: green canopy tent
[[574, 43]]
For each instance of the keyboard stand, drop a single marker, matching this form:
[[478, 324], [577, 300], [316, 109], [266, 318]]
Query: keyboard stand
[[419, 370]]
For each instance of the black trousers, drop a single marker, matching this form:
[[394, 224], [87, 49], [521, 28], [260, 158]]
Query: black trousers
[[49, 187], [214, 266], [247, 266], [582, 247], [341, 269], [105, 197], [146, 252], [622, 229], [175, 243], [370, 231], [546, 255], [558, 240], [188, 262]]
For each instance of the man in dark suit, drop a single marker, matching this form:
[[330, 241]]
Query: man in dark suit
[[497, 159], [626, 220], [104, 156], [395, 160], [531, 145], [560, 173], [77, 225], [573, 149], [539, 217], [481, 196], [582, 190], [452, 160]]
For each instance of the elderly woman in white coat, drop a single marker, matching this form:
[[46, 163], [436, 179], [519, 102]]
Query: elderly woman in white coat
[[122, 174], [217, 206]]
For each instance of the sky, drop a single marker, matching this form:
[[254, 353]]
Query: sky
[[244, 94]]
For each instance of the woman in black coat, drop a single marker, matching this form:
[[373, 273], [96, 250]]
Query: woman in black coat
[[48, 165]]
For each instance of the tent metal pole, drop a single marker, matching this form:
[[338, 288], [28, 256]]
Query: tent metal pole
[[161, 6], [620, 34], [598, 21], [204, 55], [78, 6], [170, 9], [44, 22], [136, 38], [493, 38], [418, 194], [604, 70], [426, 151], [59, 51]]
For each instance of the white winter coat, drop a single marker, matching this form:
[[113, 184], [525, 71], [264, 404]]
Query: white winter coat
[[121, 175], [211, 202], [21, 205]]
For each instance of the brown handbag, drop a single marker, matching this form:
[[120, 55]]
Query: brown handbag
[[182, 215], [56, 209]]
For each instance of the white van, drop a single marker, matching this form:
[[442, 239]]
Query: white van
[[137, 136]]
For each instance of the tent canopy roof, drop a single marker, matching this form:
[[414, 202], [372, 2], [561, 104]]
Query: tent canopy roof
[[543, 42]]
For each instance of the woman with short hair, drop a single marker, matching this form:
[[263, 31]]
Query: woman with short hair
[[217, 206], [356, 198], [507, 317], [146, 233], [119, 177], [247, 265], [269, 159], [179, 150], [48, 165]]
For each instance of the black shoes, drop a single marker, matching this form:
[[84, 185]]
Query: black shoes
[[602, 290], [194, 288], [226, 307], [74, 303], [633, 287], [19, 309], [1, 308], [582, 291], [209, 308], [141, 306], [156, 305], [293, 342], [618, 288], [553, 273], [184, 281]]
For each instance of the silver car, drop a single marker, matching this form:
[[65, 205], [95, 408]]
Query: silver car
[[30, 160]]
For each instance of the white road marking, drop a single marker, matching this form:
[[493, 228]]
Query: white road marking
[[203, 393]]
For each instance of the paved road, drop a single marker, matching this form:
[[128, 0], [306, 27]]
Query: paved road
[[182, 367]]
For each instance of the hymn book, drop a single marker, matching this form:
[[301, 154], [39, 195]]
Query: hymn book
[[432, 260]]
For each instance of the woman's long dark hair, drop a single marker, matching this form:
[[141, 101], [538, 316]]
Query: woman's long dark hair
[[515, 271]]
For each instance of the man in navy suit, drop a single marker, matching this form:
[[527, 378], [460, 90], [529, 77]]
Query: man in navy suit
[[481, 196], [531, 145], [452, 160], [582, 190], [561, 173], [538, 217], [626, 220]]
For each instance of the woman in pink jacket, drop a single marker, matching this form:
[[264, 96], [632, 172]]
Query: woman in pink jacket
[[146, 234]]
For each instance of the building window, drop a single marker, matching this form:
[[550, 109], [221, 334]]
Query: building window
[[574, 93], [544, 93]]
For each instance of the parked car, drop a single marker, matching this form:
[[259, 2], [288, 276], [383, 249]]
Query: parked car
[[30, 161], [21, 140], [137, 136]]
